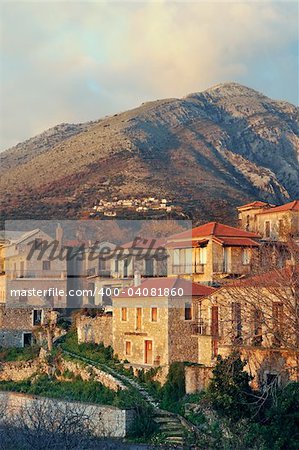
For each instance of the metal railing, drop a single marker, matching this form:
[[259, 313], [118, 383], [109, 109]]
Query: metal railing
[[202, 327], [180, 269]]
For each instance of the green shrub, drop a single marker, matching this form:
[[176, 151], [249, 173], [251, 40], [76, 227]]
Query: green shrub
[[173, 390], [229, 390], [19, 354]]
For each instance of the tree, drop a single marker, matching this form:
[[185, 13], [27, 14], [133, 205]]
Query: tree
[[229, 390]]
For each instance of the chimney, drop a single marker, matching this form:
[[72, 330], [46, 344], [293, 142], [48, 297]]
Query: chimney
[[59, 234], [137, 278]]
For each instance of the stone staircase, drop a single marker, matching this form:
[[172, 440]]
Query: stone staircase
[[173, 427]]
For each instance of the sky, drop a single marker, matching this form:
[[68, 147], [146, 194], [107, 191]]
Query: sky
[[78, 61]]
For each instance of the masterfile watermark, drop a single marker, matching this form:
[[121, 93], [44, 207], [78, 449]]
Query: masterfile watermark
[[84, 263]]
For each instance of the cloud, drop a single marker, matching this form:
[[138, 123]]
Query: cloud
[[64, 62]]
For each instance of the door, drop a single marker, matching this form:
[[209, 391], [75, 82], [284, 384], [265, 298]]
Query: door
[[148, 354]]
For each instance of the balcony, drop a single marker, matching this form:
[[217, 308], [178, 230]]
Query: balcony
[[202, 328], [185, 269], [104, 273], [221, 267]]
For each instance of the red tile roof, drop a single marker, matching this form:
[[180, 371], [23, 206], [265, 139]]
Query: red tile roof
[[292, 206], [145, 243], [214, 229], [256, 204], [275, 278], [239, 242], [189, 288]]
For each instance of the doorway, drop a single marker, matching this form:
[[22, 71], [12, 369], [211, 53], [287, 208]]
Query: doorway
[[27, 339], [148, 354]]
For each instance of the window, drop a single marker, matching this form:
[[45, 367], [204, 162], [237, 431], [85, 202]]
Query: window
[[257, 327], [203, 255], [46, 265], [154, 314], [271, 379], [214, 321], [267, 229], [124, 314], [247, 222], [138, 318], [37, 243], [149, 267], [236, 322], [277, 316], [246, 256], [128, 346], [37, 317], [188, 311], [281, 228], [22, 269]]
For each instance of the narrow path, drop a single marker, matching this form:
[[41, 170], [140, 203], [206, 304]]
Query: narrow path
[[173, 426]]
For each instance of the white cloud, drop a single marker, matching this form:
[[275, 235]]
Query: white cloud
[[79, 61]]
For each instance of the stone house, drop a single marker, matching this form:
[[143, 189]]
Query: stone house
[[31, 285], [17, 325], [148, 256], [271, 222], [30, 275], [257, 317], [212, 253], [153, 322]]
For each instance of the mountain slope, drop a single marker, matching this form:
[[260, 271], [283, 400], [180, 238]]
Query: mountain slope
[[208, 152]]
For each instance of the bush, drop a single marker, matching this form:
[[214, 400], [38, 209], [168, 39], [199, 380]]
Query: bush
[[280, 429], [19, 354], [229, 390], [173, 390]]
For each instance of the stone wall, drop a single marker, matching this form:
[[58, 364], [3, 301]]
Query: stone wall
[[89, 372], [18, 370], [197, 378], [105, 421], [183, 345], [95, 330]]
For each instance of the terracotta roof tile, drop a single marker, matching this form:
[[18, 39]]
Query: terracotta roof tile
[[256, 204], [292, 206], [214, 229]]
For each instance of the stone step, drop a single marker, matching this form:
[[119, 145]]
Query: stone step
[[173, 433], [175, 441]]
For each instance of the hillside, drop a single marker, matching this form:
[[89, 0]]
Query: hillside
[[207, 152]]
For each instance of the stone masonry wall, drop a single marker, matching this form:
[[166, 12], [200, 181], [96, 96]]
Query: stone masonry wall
[[197, 378], [95, 330], [106, 421], [89, 372], [18, 370]]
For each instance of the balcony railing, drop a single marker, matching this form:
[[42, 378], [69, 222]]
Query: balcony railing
[[201, 327], [221, 267], [180, 269]]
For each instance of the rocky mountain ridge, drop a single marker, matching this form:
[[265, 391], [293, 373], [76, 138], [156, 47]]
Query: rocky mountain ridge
[[207, 152]]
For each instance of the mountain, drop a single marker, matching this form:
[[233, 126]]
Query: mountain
[[207, 152]]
